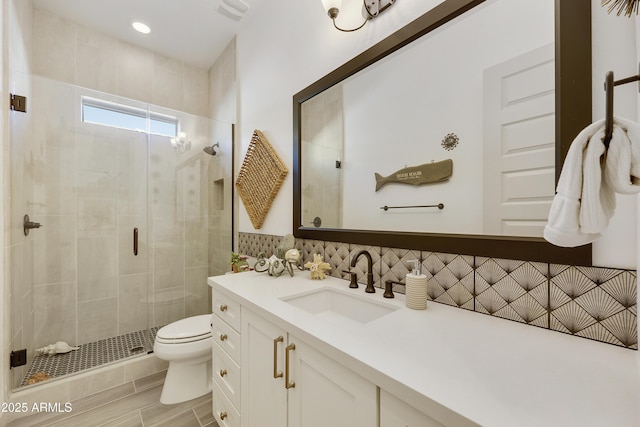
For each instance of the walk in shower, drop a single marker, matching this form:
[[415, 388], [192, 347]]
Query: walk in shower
[[134, 215]]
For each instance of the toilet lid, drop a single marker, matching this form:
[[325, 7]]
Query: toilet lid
[[191, 327]]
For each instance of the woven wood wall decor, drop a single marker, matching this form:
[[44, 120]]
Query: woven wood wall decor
[[260, 178]]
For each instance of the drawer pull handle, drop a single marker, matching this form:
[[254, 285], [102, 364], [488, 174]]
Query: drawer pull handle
[[223, 372], [288, 384], [223, 337], [223, 415], [276, 372], [223, 307]]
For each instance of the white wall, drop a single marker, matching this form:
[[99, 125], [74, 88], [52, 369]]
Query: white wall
[[292, 43], [614, 49], [282, 50]]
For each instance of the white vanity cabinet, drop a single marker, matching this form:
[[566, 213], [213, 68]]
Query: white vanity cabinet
[[286, 381], [400, 370], [226, 357], [397, 413]]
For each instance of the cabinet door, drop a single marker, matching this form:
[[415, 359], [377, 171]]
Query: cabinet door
[[327, 393], [394, 412], [264, 397]]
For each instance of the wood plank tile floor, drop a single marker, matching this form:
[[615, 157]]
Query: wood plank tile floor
[[134, 404]]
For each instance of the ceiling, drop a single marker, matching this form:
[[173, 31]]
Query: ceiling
[[192, 31]]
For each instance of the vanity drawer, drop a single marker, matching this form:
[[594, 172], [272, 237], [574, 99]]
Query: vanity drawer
[[224, 412], [226, 373], [226, 309], [226, 337]]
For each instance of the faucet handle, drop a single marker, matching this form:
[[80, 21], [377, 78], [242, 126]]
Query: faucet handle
[[388, 289], [354, 278]]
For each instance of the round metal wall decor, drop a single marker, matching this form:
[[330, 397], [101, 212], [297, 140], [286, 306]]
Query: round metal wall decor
[[450, 141]]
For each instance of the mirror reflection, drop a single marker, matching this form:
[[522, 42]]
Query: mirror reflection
[[477, 93]]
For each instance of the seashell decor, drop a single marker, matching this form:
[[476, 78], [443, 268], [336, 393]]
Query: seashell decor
[[286, 257], [58, 347], [318, 267]]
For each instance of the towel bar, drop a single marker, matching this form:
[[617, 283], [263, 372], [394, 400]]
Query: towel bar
[[439, 206], [609, 84]]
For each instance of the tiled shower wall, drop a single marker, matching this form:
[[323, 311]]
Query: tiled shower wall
[[184, 190], [589, 302], [322, 137]]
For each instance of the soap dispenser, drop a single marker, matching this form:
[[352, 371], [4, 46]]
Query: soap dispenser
[[416, 288]]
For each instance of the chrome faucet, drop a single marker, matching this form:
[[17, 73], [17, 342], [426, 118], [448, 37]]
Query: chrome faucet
[[354, 284]]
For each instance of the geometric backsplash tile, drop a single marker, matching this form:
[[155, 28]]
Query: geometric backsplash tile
[[395, 265], [311, 247], [589, 302], [337, 255], [249, 244], [595, 303], [451, 280], [515, 290]]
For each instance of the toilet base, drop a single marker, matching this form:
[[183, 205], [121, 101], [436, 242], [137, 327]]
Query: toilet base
[[185, 381]]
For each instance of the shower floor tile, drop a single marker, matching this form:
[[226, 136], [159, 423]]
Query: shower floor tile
[[93, 354]]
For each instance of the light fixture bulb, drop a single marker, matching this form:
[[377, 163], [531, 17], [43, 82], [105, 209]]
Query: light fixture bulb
[[140, 27]]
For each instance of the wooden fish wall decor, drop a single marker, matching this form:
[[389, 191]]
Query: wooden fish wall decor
[[418, 175]]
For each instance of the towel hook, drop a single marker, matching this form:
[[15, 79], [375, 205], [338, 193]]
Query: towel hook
[[609, 84]]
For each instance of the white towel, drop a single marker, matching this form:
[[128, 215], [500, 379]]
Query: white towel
[[622, 170], [585, 199]]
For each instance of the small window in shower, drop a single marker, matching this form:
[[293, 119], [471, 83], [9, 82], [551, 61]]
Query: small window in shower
[[112, 114]]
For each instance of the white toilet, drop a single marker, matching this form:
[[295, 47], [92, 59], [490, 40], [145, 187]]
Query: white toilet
[[186, 345]]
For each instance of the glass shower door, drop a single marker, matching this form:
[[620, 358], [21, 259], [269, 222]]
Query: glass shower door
[[87, 185], [133, 223]]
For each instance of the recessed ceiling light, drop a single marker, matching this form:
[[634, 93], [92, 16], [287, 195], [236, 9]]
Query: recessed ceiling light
[[140, 27]]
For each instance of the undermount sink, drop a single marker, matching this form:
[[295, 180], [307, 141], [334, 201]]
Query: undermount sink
[[340, 305]]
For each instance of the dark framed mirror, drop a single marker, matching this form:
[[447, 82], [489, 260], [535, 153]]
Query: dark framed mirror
[[572, 49]]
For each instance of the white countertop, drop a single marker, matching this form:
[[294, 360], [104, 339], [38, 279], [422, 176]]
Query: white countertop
[[483, 370]]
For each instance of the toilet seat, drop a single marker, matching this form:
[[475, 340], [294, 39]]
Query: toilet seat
[[191, 329]]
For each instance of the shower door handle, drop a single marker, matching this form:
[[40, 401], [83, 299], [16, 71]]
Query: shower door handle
[[135, 241], [27, 225]]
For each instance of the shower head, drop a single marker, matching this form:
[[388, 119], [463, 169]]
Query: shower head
[[211, 150]]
